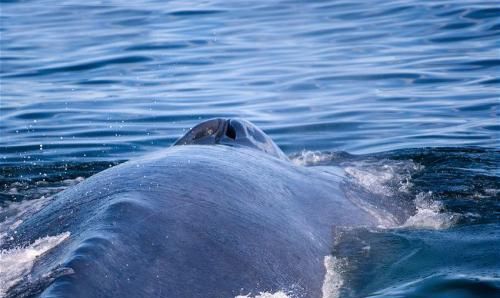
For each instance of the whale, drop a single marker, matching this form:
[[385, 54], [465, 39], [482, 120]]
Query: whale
[[221, 213]]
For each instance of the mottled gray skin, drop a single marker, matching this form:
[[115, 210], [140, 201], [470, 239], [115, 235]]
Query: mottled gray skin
[[235, 217]]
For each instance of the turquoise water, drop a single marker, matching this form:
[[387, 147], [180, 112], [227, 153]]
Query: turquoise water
[[402, 88]]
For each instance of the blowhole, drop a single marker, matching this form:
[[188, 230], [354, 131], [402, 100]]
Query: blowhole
[[230, 132]]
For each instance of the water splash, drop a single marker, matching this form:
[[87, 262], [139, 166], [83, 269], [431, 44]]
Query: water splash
[[16, 263], [388, 180], [12, 215], [430, 214], [315, 158]]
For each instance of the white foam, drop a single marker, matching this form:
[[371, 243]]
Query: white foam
[[384, 177], [332, 282], [371, 181], [311, 158], [333, 278], [16, 263], [384, 218], [430, 214], [390, 178], [15, 213], [279, 294], [71, 182], [30, 190], [12, 215]]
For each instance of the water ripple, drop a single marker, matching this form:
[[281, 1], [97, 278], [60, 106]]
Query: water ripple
[[88, 65], [344, 75]]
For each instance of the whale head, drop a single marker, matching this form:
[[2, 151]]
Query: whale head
[[231, 132]]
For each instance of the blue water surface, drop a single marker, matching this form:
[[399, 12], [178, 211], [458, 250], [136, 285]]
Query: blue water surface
[[112, 79], [87, 85]]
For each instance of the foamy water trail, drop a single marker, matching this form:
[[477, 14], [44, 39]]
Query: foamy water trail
[[279, 294], [16, 263]]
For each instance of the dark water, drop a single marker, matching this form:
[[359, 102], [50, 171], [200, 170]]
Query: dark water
[[410, 87]]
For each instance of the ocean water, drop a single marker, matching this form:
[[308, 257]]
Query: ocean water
[[403, 96]]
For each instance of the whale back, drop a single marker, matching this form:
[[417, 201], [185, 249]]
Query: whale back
[[193, 221]]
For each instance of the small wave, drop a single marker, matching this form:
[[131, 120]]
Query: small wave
[[82, 66], [16, 263]]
